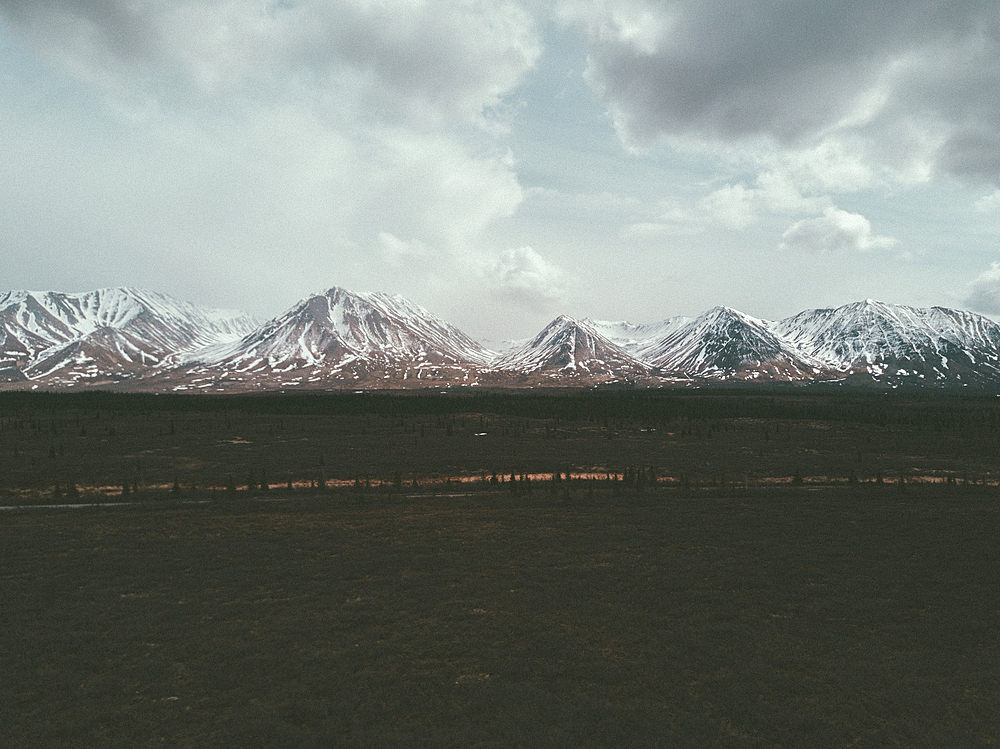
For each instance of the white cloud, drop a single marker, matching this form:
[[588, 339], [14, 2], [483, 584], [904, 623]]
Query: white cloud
[[244, 153], [984, 291], [988, 203], [206, 138], [836, 231], [401, 254], [773, 193], [734, 206], [638, 25], [524, 276]]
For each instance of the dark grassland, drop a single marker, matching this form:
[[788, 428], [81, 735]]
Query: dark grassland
[[765, 590], [51, 443]]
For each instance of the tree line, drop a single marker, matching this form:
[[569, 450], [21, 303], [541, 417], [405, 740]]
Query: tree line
[[939, 411]]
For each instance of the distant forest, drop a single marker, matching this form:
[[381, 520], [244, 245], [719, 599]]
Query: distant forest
[[932, 410]]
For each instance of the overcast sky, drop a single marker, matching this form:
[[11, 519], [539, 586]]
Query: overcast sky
[[504, 162]]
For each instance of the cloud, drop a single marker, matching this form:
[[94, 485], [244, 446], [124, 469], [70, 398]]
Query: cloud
[[271, 142], [524, 276], [401, 254], [737, 206], [835, 231], [910, 87], [734, 206], [984, 291], [408, 60], [988, 203]]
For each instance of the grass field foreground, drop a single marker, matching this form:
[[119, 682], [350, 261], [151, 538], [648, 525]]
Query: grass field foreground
[[838, 618]]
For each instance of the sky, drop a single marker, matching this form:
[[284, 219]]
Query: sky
[[503, 162]]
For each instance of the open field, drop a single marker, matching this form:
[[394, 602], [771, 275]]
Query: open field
[[831, 618], [747, 582]]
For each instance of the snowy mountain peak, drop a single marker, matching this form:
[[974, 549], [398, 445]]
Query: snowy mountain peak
[[114, 331], [562, 321], [722, 315], [723, 343], [337, 337], [721, 310], [634, 338], [568, 347], [362, 332], [879, 339]]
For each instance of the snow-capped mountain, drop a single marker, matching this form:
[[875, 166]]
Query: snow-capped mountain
[[886, 340], [502, 346], [341, 332], [725, 343], [632, 337], [136, 339], [568, 347], [104, 351], [116, 331]]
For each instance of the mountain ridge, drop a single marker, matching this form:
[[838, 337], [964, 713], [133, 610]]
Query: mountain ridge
[[129, 338], [65, 337]]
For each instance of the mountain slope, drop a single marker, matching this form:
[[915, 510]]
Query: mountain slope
[[133, 339], [115, 332], [882, 340], [344, 332], [569, 348], [723, 343]]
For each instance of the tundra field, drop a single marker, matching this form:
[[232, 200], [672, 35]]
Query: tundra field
[[766, 569]]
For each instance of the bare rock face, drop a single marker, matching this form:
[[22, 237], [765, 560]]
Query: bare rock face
[[10, 372]]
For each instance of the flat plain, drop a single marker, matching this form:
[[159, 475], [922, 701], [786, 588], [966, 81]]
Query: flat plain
[[783, 597], [104, 443]]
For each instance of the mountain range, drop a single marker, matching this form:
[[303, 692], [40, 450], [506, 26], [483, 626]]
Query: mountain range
[[123, 338]]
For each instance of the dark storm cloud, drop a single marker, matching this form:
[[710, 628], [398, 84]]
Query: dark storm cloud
[[914, 76]]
